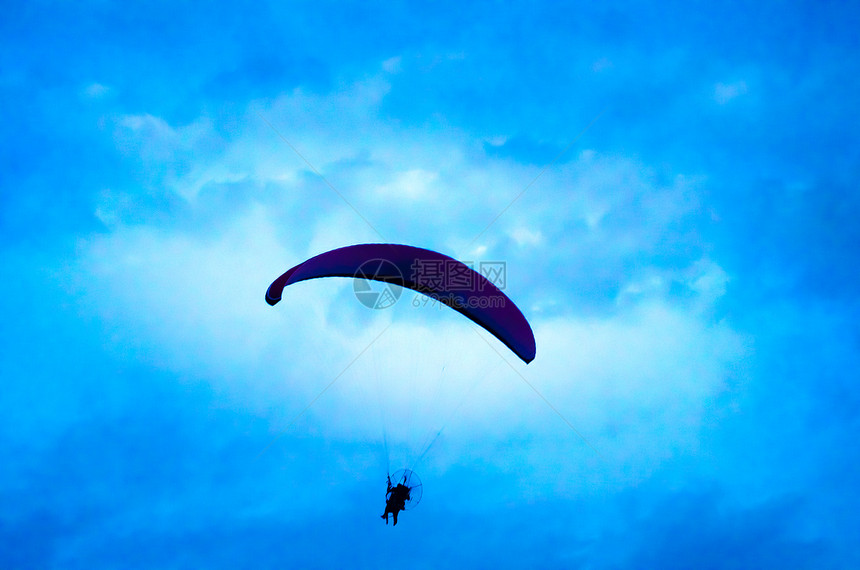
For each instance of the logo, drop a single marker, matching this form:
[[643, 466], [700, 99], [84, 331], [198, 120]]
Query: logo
[[371, 284], [496, 272]]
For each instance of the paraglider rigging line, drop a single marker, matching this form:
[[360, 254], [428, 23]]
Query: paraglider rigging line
[[541, 396], [379, 407], [450, 417], [324, 390]]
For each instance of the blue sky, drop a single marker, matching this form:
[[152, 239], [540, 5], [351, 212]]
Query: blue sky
[[688, 264]]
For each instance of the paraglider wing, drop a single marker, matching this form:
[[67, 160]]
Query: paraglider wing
[[434, 274]]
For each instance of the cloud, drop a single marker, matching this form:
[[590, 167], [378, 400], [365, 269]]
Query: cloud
[[726, 92], [525, 237], [189, 295], [601, 64], [194, 305], [415, 184], [96, 90], [392, 65]]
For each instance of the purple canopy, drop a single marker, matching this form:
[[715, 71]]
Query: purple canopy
[[433, 274]]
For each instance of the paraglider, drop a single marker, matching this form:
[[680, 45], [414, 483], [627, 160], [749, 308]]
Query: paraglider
[[430, 273], [402, 496]]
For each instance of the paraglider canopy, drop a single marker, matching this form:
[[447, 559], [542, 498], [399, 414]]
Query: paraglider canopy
[[436, 275]]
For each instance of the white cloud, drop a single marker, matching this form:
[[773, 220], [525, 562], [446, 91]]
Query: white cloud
[[338, 228], [725, 92], [96, 91], [601, 64], [414, 184], [635, 383], [111, 206], [392, 65], [709, 280], [155, 138], [192, 301], [526, 237], [704, 278]]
